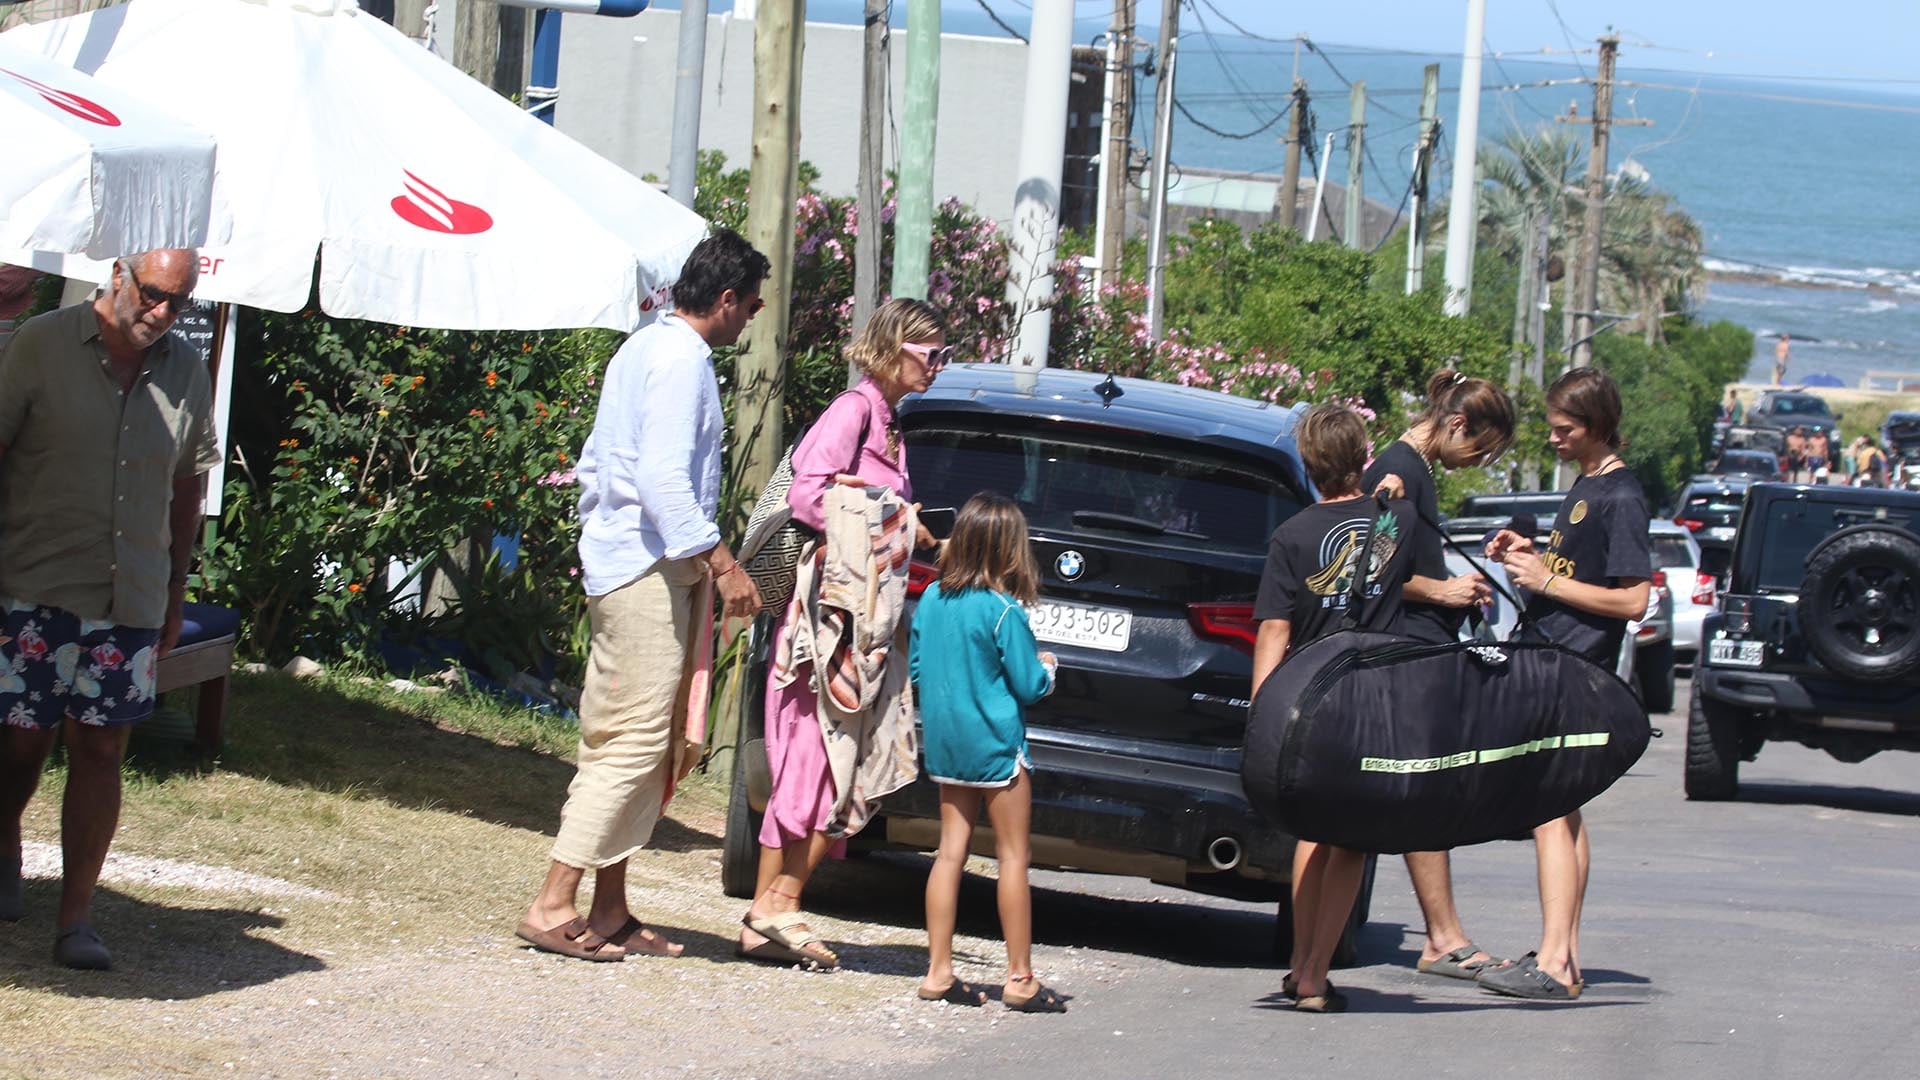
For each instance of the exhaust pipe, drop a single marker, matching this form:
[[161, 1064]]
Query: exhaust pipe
[[1223, 853]]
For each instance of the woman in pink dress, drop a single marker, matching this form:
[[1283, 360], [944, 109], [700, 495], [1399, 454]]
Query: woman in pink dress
[[899, 352]]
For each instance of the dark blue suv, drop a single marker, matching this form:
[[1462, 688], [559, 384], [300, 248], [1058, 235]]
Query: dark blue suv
[[1150, 507]]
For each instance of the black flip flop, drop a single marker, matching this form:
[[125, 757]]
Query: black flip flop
[[957, 992], [1044, 1000]]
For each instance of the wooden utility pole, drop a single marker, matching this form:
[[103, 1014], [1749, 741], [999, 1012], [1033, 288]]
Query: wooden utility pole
[[1118, 155], [866, 242], [919, 122], [490, 44], [778, 42], [1356, 148], [1163, 84], [1297, 135], [1418, 206], [1588, 299]]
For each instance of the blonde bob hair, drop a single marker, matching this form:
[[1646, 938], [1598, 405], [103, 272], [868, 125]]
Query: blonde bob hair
[[876, 352]]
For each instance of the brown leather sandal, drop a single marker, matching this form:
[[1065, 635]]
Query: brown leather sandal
[[633, 938], [574, 938]]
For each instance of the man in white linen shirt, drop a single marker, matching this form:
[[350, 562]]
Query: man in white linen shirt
[[649, 495]]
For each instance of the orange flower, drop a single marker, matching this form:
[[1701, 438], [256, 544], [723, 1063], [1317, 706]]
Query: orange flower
[[300, 386], [488, 503], [526, 346], [562, 455], [354, 588], [476, 412], [493, 379], [387, 379], [353, 459], [490, 431], [419, 381]]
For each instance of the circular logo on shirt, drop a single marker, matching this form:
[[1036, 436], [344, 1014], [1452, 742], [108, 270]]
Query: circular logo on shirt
[[1578, 514], [1070, 565]]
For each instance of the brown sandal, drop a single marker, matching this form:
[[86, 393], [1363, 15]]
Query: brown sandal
[[633, 938], [575, 939]]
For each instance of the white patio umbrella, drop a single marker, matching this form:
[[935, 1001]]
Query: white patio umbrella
[[429, 199], [92, 169]]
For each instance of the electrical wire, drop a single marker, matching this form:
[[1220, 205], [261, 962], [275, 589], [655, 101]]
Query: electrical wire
[[1204, 126], [998, 21], [1566, 32]]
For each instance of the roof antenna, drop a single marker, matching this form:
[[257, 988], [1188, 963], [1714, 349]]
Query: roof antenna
[[1108, 390]]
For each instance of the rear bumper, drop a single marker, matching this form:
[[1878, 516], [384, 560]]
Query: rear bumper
[[1889, 706]]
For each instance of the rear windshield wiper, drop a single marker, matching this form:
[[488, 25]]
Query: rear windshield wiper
[[1102, 519]]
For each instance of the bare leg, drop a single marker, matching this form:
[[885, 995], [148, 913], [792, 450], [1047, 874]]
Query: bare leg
[[610, 913], [1583, 857], [797, 862], [554, 906], [1556, 845], [1010, 809], [1432, 875], [23, 754], [1340, 871], [959, 806], [1308, 858], [89, 814]]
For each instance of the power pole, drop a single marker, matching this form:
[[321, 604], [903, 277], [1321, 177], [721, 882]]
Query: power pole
[[919, 117], [1111, 240], [689, 83], [1587, 297], [1356, 148], [778, 42], [1422, 173], [1035, 236], [1462, 214], [1162, 162], [1321, 167], [1297, 135], [866, 242], [1522, 302]]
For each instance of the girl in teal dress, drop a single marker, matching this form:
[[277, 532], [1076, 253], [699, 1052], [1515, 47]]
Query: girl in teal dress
[[977, 666]]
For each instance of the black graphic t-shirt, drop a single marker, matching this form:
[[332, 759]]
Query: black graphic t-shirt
[[1426, 622], [1600, 538], [1312, 558]]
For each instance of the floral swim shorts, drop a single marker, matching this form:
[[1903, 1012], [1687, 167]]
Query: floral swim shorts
[[54, 663]]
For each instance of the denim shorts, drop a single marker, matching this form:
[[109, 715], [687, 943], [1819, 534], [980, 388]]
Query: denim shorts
[[54, 663]]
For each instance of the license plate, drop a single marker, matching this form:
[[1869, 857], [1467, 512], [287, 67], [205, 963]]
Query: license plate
[[1086, 625], [1727, 652], [1720, 533]]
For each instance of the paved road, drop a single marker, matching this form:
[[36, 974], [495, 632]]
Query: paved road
[[1775, 936]]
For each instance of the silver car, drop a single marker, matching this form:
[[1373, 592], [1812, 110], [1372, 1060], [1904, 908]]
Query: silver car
[[1676, 557]]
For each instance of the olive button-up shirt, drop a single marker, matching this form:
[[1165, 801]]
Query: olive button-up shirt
[[86, 480]]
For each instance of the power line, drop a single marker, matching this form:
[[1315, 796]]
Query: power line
[[998, 21], [1565, 32], [1871, 106], [1204, 126]]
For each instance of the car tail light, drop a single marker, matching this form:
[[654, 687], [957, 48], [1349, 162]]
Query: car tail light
[[1703, 588], [1739, 613], [1229, 624], [1690, 524], [919, 576]]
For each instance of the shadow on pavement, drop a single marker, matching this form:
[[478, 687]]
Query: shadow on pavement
[[1373, 1002], [1864, 799], [159, 952]]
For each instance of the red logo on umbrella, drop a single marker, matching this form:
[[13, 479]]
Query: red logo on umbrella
[[429, 208], [89, 111]]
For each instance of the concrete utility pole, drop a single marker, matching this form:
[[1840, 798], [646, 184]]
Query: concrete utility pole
[[1422, 173], [1321, 167], [873, 129], [1297, 135], [919, 119], [778, 42], [1115, 183], [1588, 296], [1463, 215], [1356, 179], [690, 71], [1163, 85], [1035, 235]]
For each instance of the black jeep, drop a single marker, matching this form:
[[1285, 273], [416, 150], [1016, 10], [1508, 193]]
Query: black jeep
[[1150, 507], [1817, 636]]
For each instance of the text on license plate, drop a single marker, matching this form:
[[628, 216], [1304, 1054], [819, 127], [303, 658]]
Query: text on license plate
[[1730, 653], [1086, 625]]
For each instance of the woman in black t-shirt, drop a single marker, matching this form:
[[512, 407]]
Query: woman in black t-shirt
[[1467, 423], [1591, 580]]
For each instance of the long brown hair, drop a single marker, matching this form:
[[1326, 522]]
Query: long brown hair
[[1590, 396], [1486, 408], [989, 550]]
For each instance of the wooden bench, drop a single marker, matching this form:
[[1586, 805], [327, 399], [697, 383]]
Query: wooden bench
[[203, 658]]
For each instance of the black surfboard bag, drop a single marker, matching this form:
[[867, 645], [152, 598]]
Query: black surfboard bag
[[1381, 744]]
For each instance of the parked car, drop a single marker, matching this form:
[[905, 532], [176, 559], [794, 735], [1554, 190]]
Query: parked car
[[1676, 557], [1150, 507], [1502, 505], [1817, 638], [1709, 508], [1785, 410], [1752, 464]]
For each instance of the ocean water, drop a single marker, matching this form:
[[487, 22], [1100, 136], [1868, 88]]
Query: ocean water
[[1809, 207]]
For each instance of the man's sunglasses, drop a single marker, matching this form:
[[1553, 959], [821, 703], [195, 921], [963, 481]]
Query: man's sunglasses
[[935, 356], [152, 298]]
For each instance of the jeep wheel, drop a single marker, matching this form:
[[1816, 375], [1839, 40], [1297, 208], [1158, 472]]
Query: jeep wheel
[[740, 848], [1346, 953], [1713, 749], [1860, 604], [1653, 669]]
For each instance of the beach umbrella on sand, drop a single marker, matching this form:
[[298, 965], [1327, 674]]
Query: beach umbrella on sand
[[428, 199], [93, 169]]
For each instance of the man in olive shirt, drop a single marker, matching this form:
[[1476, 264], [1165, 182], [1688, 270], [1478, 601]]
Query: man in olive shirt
[[106, 435]]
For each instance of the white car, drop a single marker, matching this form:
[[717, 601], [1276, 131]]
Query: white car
[[1676, 555]]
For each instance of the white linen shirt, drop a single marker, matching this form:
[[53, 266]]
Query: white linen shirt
[[650, 472]]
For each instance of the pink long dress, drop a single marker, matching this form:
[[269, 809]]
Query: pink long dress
[[801, 802]]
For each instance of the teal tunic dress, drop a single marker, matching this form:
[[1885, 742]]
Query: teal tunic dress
[[977, 666]]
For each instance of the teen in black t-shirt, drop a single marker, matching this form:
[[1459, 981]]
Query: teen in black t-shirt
[[1467, 423], [1592, 578], [1313, 557]]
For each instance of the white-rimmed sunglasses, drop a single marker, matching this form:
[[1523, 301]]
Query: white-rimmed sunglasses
[[935, 356]]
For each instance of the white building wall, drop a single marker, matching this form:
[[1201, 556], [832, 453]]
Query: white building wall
[[616, 96]]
